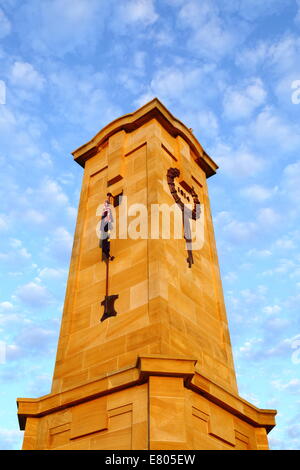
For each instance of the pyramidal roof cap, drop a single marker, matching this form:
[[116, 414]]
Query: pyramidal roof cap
[[154, 109]]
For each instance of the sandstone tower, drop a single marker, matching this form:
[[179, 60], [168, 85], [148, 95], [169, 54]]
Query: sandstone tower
[[157, 371]]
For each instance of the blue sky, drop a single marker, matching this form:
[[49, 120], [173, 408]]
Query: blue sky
[[226, 69]]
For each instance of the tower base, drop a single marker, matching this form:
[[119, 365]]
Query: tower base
[[158, 403]]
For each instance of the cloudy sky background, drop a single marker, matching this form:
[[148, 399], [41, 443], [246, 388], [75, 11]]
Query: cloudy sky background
[[226, 69]]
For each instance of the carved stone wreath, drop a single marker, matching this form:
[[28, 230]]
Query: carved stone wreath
[[187, 213]]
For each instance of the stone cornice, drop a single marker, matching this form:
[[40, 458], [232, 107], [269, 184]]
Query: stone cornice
[[129, 122], [150, 365]]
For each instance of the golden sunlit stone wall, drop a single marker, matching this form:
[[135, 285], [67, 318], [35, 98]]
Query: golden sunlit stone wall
[[159, 374]]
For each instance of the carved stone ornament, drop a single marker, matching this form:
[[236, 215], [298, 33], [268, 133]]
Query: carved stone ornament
[[187, 213]]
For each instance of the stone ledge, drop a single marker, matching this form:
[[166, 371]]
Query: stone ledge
[[233, 403], [129, 122], [166, 366], [38, 407], [148, 365]]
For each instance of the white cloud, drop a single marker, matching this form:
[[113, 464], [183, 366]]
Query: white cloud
[[52, 273], [279, 55], [5, 26], [50, 192], [257, 193], [6, 306], [297, 17], [240, 102], [230, 277], [25, 75], [19, 250], [7, 119], [40, 385], [187, 88], [284, 266], [285, 243], [11, 439], [44, 161], [237, 163], [222, 217], [56, 27], [207, 123], [240, 230], [259, 253], [139, 58], [211, 37], [270, 128], [248, 346], [282, 54], [3, 222], [174, 81], [243, 230], [252, 58], [236, 230], [164, 37], [32, 341], [277, 58], [292, 385], [34, 216], [34, 295], [268, 217], [271, 309], [60, 244], [290, 181], [72, 212], [80, 97], [144, 98], [252, 9], [137, 11], [259, 349], [194, 13], [251, 296]]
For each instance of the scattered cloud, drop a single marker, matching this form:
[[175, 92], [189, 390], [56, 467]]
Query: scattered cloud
[[5, 25], [211, 37], [292, 386], [240, 102], [3, 222], [24, 75], [80, 97], [268, 217], [238, 162], [259, 349], [297, 17], [254, 9], [290, 181], [236, 230], [285, 243], [271, 309], [230, 277], [60, 244], [224, 69], [132, 12], [34, 295], [11, 439], [50, 25], [52, 273], [257, 193], [264, 253], [271, 128], [6, 306]]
